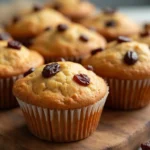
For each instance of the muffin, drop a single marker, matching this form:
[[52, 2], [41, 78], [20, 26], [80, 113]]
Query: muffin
[[111, 24], [61, 101], [15, 60], [28, 26], [142, 37], [74, 9], [125, 65], [147, 26], [72, 42]]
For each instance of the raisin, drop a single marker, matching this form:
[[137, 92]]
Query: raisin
[[50, 70], [131, 57], [14, 45], [82, 79]]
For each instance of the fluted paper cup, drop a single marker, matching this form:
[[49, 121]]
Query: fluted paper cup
[[128, 94], [7, 100], [62, 125]]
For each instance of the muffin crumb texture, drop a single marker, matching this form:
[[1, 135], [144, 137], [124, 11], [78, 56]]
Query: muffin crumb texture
[[60, 91], [126, 60], [67, 41], [16, 59]]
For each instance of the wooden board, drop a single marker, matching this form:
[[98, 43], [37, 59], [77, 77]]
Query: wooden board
[[116, 131]]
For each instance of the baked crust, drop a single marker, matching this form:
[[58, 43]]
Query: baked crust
[[75, 9], [14, 62], [63, 44], [34, 23], [139, 38], [124, 25], [60, 91], [110, 62]]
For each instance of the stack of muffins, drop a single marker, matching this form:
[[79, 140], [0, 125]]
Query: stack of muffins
[[62, 101]]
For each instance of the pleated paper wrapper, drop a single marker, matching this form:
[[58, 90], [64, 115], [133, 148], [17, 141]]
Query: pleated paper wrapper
[[7, 100], [62, 125], [128, 94]]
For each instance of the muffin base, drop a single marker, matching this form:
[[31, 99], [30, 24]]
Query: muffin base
[[7, 100], [62, 125], [128, 94]]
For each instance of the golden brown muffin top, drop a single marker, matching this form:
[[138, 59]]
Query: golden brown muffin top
[[16, 59], [61, 91], [34, 23], [123, 60], [67, 40], [75, 9], [112, 24]]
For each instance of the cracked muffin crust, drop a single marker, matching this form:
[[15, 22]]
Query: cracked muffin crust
[[17, 60], [32, 24], [74, 9], [67, 41], [112, 24], [60, 91], [125, 60]]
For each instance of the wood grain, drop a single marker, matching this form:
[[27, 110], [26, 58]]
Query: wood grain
[[116, 131]]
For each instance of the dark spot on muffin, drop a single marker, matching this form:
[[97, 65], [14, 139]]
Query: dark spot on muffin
[[61, 59], [16, 19], [29, 71], [14, 45], [50, 70], [62, 27], [82, 79], [147, 26], [47, 29], [109, 10], [130, 57], [83, 38], [95, 51], [145, 146], [57, 6], [26, 41], [89, 67], [4, 36], [122, 39], [37, 7], [110, 23], [145, 33]]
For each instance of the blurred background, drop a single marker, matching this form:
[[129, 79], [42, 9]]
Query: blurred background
[[103, 3], [138, 10], [114, 3]]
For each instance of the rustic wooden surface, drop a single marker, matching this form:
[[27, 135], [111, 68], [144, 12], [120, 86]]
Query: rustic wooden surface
[[117, 131]]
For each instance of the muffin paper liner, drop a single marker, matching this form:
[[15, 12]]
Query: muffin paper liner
[[62, 125], [128, 94], [73, 59], [7, 100]]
